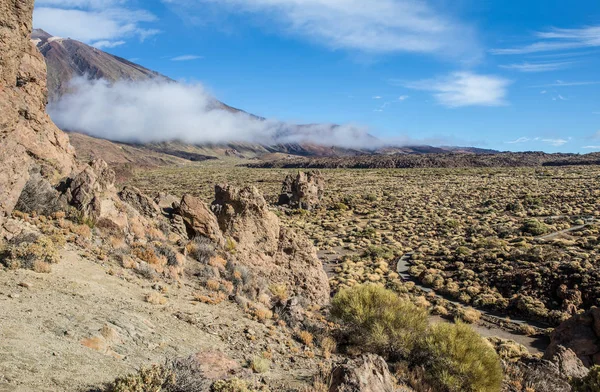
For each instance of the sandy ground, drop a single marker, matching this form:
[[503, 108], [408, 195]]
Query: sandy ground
[[44, 327]]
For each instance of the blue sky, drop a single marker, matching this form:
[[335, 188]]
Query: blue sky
[[502, 74]]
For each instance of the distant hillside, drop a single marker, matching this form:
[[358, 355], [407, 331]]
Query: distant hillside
[[433, 160]]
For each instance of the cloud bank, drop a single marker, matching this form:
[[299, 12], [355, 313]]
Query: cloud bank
[[153, 111]]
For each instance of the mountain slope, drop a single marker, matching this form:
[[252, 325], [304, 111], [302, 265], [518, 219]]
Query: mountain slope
[[67, 58]]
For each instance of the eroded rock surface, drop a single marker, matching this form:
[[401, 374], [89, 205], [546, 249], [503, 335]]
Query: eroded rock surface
[[268, 249], [28, 138], [580, 333], [142, 203], [304, 191], [369, 373], [198, 219]]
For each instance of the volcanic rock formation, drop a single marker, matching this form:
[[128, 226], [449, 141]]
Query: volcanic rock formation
[[29, 141], [305, 191]]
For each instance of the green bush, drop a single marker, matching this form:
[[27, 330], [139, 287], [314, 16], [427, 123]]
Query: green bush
[[590, 383], [534, 227], [378, 320], [457, 359]]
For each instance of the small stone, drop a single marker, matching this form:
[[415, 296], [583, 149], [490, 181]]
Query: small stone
[[26, 285]]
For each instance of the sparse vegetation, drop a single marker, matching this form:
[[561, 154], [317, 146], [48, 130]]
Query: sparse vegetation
[[457, 359], [378, 320]]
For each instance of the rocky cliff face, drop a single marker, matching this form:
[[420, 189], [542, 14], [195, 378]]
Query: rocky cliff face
[[28, 138]]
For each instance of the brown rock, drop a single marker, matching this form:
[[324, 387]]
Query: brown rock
[[267, 249], [568, 363], [142, 203], [27, 135], [87, 188], [369, 373], [198, 219], [305, 191], [578, 334]]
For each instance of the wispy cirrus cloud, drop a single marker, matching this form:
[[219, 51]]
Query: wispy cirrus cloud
[[382, 26], [539, 67], [557, 39], [562, 83], [464, 89], [556, 142], [187, 57], [103, 24]]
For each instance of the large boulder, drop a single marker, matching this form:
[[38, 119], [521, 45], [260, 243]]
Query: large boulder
[[40, 196], [87, 188], [368, 373], [28, 138], [580, 333], [304, 191], [269, 250], [142, 203], [198, 219]]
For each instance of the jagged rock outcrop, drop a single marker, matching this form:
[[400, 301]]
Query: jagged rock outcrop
[[265, 247], [304, 191], [86, 188], [40, 196], [538, 374], [580, 333], [199, 220], [28, 138], [369, 373], [142, 203]]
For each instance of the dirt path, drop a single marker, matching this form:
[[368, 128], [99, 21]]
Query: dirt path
[[42, 328]]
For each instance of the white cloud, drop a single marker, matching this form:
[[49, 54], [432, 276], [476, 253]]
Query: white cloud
[[591, 147], [107, 44], [186, 57], [557, 40], [376, 97], [380, 26], [519, 140], [538, 67], [555, 142], [561, 83], [101, 23], [154, 111], [403, 97], [465, 89]]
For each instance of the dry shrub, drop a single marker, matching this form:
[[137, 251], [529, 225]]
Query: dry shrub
[[260, 365], [232, 385], [137, 228], [25, 251], [201, 249], [377, 320], [280, 292], [83, 231], [213, 285], [469, 315], [211, 299], [155, 298], [42, 267], [305, 337], [328, 346], [218, 262], [180, 375], [261, 313]]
